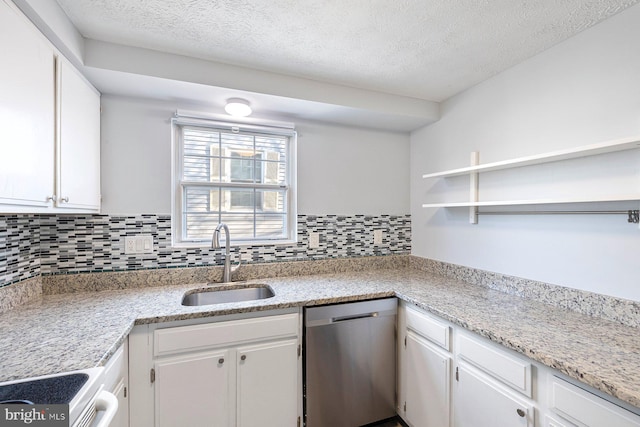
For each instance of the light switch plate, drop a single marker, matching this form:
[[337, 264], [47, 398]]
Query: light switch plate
[[377, 237], [140, 244], [314, 240]]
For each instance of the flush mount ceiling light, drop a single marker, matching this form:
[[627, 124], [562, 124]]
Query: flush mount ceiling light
[[238, 107]]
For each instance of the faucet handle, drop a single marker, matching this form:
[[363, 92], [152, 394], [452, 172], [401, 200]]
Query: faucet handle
[[237, 267]]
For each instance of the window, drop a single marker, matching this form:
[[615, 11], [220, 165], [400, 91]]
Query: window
[[240, 175]]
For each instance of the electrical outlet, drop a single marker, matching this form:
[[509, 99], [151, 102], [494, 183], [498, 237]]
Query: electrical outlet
[[140, 244], [377, 237], [314, 240], [129, 245]]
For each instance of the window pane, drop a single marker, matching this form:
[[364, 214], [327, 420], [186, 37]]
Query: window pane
[[271, 172], [199, 142], [201, 160], [241, 169], [234, 200], [201, 199], [219, 157], [236, 145], [240, 200], [199, 225], [271, 201], [272, 148], [271, 226], [205, 169], [240, 225]]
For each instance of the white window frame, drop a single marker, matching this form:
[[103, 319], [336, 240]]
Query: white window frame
[[183, 119]]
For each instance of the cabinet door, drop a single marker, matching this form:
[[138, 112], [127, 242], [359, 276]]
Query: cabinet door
[[427, 382], [79, 141], [479, 401], [193, 391], [27, 93], [267, 393]]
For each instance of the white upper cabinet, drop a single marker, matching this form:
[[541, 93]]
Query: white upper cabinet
[[27, 113], [78, 177], [49, 125]]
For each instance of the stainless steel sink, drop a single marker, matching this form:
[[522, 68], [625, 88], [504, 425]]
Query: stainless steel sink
[[223, 295]]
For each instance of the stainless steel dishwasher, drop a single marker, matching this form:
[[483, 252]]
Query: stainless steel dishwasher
[[350, 363]]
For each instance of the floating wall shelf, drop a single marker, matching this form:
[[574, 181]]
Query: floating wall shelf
[[554, 156], [533, 202], [475, 169]]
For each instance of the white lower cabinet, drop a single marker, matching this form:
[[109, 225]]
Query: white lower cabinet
[[451, 377], [193, 390], [267, 392], [493, 387], [424, 374], [427, 402], [244, 372], [481, 401], [460, 382]]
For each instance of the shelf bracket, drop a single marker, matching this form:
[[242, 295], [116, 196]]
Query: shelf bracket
[[473, 188]]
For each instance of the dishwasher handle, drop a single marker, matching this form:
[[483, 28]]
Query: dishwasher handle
[[354, 317], [334, 314]]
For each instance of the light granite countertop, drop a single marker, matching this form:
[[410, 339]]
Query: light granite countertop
[[81, 330]]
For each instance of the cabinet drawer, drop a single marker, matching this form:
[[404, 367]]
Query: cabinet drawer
[[512, 371], [484, 402], [196, 337], [582, 407], [429, 328]]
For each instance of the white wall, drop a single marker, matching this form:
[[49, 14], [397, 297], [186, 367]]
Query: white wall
[[341, 170], [352, 171], [582, 91]]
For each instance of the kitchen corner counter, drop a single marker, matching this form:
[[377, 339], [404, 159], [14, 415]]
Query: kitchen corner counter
[[81, 330]]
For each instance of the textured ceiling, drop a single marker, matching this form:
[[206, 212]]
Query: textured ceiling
[[429, 49]]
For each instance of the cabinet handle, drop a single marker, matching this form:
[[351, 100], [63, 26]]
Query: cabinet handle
[[64, 199], [521, 412], [243, 357], [51, 198], [221, 361]]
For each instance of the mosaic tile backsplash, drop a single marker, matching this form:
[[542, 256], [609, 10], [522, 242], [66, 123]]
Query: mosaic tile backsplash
[[19, 245], [46, 244]]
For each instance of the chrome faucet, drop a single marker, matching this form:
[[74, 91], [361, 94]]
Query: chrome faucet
[[215, 244]]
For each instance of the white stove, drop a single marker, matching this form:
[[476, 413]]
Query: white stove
[[89, 404]]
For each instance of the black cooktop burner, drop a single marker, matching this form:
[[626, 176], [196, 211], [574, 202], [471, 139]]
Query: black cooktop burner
[[48, 391]]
